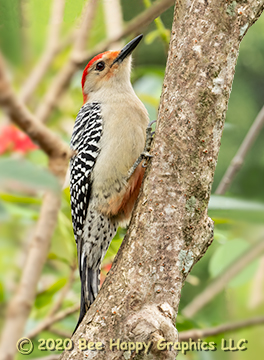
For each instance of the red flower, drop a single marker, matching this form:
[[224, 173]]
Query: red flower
[[12, 139]]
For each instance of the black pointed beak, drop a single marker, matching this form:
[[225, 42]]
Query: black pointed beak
[[127, 49]]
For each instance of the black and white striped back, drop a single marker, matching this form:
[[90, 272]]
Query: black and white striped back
[[85, 141]]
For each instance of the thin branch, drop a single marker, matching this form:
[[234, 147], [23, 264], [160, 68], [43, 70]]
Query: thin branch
[[20, 306], [239, 158], [256, 294], [196, 334], [134, 26], [61, 333], [220, 283], [51, 49], [113, 20], [53, 319], [39, 133], [64, 77], [84, 32], [164, 33], [62, 80]]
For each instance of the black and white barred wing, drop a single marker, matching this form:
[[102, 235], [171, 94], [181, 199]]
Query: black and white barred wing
[[85, 141]]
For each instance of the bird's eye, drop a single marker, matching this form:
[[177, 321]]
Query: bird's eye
[[100, 66]]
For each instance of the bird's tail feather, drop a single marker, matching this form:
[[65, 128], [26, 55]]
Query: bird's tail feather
[[92, 246], [90, 281]]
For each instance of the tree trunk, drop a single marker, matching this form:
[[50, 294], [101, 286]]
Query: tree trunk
[[170, 230]]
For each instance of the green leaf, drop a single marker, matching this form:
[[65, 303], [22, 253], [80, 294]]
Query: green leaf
[[226, 255], [2, 293], [10, 30], [184, 324], [245, 275], [21, 211], [226, 203], [115, 245], [45, 297], [19, 199], [220, 220], [151, 36], [38, 157], [23, 171], [53, 256], [3, 213]]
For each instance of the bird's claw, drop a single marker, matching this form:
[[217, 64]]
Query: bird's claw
[[151, 123], [146, 156]]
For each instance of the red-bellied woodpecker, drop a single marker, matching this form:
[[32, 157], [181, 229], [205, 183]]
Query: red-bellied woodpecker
[[109, 136]]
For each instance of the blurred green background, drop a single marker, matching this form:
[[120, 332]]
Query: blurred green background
[[238, 221]]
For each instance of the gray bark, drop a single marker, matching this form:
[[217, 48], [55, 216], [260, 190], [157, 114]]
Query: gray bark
[[170, 230]]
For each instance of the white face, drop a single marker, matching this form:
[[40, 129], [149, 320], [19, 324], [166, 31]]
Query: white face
[[104, 74]]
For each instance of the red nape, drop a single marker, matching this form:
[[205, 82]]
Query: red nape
[[85, 98]]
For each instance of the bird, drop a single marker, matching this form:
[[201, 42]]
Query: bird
[[106, 169]]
